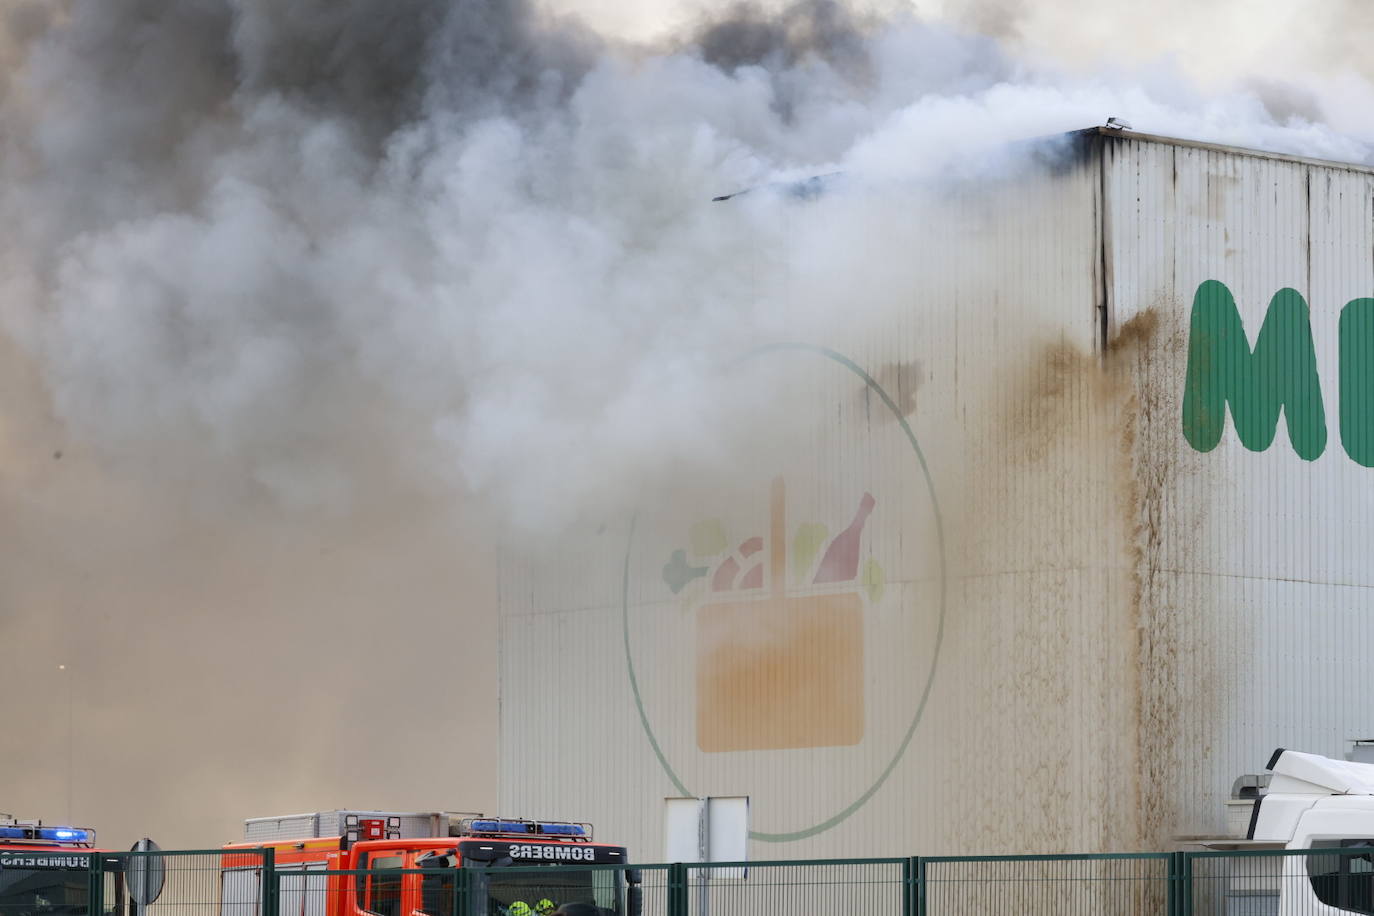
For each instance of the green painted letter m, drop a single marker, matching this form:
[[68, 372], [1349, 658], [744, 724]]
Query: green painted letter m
[[1281, 372]]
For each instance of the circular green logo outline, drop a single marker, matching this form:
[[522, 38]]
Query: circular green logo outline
[[859, 802]]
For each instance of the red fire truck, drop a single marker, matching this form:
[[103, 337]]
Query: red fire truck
[[44, 871], [405, 863]]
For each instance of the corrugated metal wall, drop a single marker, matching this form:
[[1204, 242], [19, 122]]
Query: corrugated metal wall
[[977, 593], [1255, 596]]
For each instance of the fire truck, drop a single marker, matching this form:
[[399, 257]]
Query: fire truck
[[45, 871], [403, 864]]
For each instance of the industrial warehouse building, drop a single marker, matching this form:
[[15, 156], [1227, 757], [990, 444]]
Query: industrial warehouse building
[[1047, 559]]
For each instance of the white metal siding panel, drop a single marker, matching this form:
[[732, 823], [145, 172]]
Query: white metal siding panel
[[1002, 276], [241, 892], [334, 823], [268, 829], [1256, 604], [291, 893], [1129, 623], [316, 890]]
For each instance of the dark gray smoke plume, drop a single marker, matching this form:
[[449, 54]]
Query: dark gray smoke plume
[[306, 306], [748, 36]]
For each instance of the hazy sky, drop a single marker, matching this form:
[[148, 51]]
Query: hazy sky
[[1211, 39], [1320, 45]]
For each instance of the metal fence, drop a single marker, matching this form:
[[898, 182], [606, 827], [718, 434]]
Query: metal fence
[[181, 883], [817, 886], [77, 882], [469, 891], [1131, 884], [1334, 879]]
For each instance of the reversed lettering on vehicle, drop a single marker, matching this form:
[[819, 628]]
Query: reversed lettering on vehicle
[[568, 853], [11, 861]]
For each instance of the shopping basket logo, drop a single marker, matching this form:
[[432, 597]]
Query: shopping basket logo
[[778, 670]]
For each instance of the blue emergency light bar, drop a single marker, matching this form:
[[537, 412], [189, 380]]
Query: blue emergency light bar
[[502, 827], [562, 829], [48, 834]]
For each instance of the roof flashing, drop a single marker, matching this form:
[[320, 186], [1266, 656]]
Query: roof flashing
[[1121, 136]]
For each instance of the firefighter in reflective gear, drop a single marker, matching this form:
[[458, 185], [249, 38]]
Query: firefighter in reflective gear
[[544, 907], [519, 908]]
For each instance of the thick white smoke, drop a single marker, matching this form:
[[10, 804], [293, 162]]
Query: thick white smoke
[[368, 272], [466, 240]]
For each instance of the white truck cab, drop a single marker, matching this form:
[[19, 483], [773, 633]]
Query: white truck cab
[[1312, 798], [1316, 802]]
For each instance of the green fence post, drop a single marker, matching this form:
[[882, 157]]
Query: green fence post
[[269, 882], [1186, 884], [922, 905], [95, 892], [677, 890], [1175, 885], [1171, 887], [461, 906], [909, 886]]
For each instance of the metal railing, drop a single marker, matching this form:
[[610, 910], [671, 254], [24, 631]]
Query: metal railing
[[79, 882], [814, 886], [468, 891], [1132, 884], [1300, 882], [249, 882]]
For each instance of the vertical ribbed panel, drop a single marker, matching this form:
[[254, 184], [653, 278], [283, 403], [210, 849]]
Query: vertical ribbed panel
[[1128, 623], [1254, 605]]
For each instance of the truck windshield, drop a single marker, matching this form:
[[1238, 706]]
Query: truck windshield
[[43, 892], [596, 890]]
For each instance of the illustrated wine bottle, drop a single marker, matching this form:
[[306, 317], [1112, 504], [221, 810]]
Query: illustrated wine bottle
[[841, 560]]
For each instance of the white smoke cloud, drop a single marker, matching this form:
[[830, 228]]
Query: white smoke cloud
[[479, 248]]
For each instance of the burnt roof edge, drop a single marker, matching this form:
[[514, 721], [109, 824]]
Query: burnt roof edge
[[1113, 134]]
